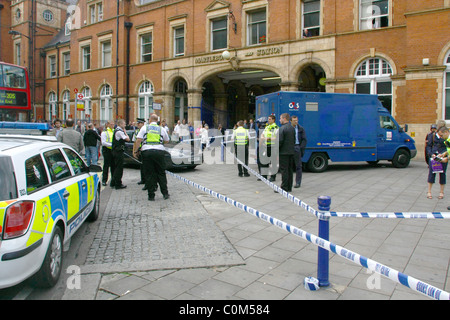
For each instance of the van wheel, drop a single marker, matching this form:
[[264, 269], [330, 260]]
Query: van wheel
[[401, 159], [93, 216], [50, 270], [318, 162]]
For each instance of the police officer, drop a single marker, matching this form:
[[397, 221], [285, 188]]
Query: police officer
[[260, 125], [240, 136], [118, 147], [152, 137], [108, 163], [137, 151], [268, 138]]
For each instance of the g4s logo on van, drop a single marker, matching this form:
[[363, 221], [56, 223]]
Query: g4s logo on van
[[294, 106]]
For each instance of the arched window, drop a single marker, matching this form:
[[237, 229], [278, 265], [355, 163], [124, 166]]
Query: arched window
[[87, 95], [66, 104], [373, 76], [447, 87], [52, 103], [145, 99], [106, 105]]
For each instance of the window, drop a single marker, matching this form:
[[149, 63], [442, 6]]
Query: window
[[77, 164], [96, 12], [14, 77], [373, 76], [219, 33], [447, 88], [311, 18], [66, 104], [256, 27], [52, 66], [17, 53], [373, 14], [36, 174], [8, 191], [145, 100], [47, 15], [66, 62], [106, 53], [86, 56], [146, 47], [178, 38], [52, 102], [106, 105], [57, 165]]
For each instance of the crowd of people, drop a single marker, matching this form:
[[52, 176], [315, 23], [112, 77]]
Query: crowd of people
[[289, 141]]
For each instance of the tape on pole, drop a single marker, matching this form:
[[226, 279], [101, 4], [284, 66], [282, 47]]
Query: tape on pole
[[392, 274]]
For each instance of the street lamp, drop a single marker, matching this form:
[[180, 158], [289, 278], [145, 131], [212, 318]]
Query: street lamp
[[17, 33]]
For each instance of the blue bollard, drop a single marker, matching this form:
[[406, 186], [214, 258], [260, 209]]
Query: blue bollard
[[324, 203]]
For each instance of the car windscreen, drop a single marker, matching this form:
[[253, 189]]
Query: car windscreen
[[8, 190]]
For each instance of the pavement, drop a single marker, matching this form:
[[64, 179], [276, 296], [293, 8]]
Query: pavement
[[196, 247]]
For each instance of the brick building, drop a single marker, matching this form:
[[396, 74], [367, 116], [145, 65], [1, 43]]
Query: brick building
[[208, 59]]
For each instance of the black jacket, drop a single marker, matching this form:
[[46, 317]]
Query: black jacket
[[286, 136], [90, 138]]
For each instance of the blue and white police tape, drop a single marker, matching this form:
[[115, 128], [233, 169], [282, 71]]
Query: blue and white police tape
[[392, 274], [311, 283], [324, 215]]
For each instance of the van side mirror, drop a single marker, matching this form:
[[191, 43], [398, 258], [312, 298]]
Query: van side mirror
[[405, 128]]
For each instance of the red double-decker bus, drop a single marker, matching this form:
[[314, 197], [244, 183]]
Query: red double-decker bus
[[15, 101]]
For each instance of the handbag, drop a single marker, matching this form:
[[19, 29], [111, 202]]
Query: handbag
[[436, 166]]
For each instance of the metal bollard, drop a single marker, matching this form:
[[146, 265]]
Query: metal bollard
[[324, 203]]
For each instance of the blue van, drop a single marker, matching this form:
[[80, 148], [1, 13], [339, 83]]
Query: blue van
[[342, 127]]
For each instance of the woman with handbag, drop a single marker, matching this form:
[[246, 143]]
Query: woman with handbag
[[438, 161]]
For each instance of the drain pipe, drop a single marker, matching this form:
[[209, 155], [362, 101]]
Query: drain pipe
[[128, 26]]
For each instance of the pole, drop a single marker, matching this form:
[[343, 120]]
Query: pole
[[324, 203]]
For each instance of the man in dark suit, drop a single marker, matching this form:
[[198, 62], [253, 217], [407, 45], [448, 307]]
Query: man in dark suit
[[299, 149], [286, 140]]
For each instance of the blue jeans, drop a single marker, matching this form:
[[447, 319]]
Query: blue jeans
[[91, 155]]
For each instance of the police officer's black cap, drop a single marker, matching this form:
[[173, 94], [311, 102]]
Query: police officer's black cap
[[140, 120]]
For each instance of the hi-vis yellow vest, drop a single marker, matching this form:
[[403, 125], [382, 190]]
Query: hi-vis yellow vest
[[241, 136]]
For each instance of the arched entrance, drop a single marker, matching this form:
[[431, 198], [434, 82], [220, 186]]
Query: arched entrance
[[312, 78], [229, 96]]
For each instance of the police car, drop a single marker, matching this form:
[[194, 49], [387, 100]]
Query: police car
[[46, 193]]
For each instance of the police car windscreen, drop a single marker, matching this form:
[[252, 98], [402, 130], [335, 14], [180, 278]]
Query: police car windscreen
[[8, 187]]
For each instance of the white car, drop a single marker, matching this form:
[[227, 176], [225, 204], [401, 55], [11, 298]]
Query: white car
[[46, 193]]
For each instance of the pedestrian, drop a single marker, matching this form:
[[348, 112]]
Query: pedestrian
[[152, 137], [260, 125], [184, 130], [286, 138], [299, 150], [56, 128], [430, 137], [137, 151], [438, 153], [269, 137], [80, 127], [118, 148], [108, 163], [240, 137], [90, 140], [71, 137]]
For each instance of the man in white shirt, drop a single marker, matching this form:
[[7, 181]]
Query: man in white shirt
[[152, 137]]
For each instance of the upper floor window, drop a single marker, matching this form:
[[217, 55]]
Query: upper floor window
[[96, 12], [256, 27], [373, 14], [178, 38], [311, 18], [52, 66], [373, 76], [146, 44], [447, 87], [48, 16], [66, 63], [219, 33], [86, 57], [106, 53]]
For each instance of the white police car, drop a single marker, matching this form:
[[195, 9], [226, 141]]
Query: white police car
[[46, 193]]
